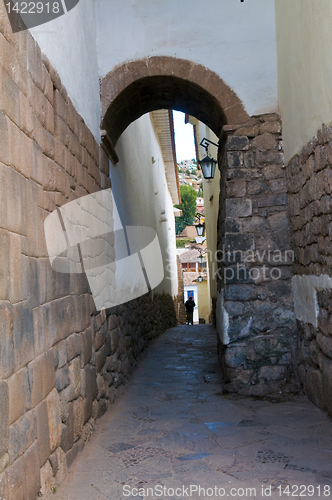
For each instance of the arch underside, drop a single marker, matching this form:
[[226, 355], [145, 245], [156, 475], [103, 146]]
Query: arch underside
[[167, 83], [162, 92]]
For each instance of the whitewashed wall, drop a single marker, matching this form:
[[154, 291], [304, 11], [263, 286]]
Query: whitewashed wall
[[70, 44], [141, 193], [235, 39]]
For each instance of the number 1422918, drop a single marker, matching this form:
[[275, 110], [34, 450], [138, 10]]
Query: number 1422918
[[304, 490], [33, 7]]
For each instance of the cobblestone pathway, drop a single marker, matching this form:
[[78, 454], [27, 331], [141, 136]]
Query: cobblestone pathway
[[173, 432]]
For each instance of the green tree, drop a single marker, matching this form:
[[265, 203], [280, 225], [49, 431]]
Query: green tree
[[188, 207]]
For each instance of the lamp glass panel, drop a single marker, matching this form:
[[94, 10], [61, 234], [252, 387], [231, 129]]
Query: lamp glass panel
[[200, 229]]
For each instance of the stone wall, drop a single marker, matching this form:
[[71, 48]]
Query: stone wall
[[309, 180], [256, 324], [62, 364]]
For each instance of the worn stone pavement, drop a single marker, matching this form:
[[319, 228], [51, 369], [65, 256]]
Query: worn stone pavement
[[173, 428]]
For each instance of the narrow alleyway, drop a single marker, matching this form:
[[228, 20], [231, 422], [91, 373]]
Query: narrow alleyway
[[173, 428]]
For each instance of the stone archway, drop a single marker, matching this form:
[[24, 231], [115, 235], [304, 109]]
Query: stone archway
[[254, 311], [135, 88]]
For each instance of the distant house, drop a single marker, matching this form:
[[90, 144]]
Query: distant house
[[200, 205], [188, 232]]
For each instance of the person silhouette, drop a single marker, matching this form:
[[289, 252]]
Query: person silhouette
[[189, 305]]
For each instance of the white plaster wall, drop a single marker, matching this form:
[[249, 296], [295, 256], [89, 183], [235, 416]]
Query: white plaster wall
[[235, 39], [141, 193], [305, 290], [211, 189], [70, 44], [304, 43]]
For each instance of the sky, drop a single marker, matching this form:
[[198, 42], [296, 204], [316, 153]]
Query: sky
[[184, 138]]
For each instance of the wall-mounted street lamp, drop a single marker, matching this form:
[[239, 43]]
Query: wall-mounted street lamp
[[199, 227], [208, 164], [200, 278]]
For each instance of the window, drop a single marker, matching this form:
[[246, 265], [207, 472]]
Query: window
[[190, 293]]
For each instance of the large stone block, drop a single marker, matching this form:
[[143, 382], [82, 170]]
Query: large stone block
[[233, 225], [271, 127], [43, 434], [314, 387], [47, 480], [273, 172], [75, 375], [56, 328], [255, 224], [68, 314], [272, 200], [78, 409], [20, 147], [16, 391], [74, 346], [279, 221], [6, 339], [11, 271], [26, 113], [41, 376], [236, 245], [44, 139], [71, 455], [9, 97], [4, 413], [272, 373], [3, 481], [236, 188], [91, 390], [112, 341], [13, 200], [32, 471], [239, 274], [62, 378], [257, 186], [111, 364], [325, 343], [101, 358], [237, 143], [21, 435], [269, 157], [16, 481], [54, 419], [235, 159], [238, 208], [32, 249], [44, 110], [62, 465], [4, 139], [241, 292], [234, 356], [23, 334], [87, 341], [67, 436], [265, 142]]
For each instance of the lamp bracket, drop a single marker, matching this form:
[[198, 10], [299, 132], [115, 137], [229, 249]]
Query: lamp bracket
[[205, 143]]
